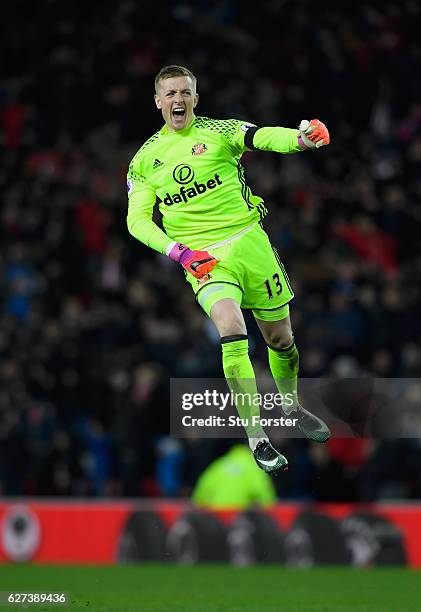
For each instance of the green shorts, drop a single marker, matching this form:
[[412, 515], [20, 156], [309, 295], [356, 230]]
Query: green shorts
[[250, 272]]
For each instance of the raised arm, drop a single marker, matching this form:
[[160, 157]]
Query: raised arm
[[310, 134]]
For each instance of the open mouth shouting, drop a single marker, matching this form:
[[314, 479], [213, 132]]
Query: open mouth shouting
[[178, 116]]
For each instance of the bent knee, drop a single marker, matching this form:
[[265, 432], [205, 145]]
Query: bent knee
[[279, 340]]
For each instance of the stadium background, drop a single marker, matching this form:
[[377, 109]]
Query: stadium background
[[93, 324]]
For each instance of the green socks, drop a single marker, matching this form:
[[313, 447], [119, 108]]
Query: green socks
[[283, 364], [241, 379]]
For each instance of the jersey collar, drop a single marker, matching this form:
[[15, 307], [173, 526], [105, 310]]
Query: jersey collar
[[164, 129]]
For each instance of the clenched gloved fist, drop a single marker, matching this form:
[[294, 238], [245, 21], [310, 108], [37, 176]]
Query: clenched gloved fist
[[198, 263], [313, 134]]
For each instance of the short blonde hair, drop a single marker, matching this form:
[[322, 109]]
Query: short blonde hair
[[167, 72]]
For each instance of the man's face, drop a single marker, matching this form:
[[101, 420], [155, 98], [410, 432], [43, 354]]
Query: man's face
[[176, 98]]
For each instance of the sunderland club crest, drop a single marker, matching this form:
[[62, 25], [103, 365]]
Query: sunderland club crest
[[199, 148]]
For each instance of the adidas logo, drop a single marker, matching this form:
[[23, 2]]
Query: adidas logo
[[157, 163]]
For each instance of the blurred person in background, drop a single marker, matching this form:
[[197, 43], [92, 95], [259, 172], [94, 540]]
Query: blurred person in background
[[232, 481]]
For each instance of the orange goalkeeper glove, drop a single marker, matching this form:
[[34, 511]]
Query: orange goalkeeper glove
[[313, 134], [198, 263]]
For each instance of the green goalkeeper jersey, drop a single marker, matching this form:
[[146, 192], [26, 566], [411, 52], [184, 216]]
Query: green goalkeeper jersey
[[196, 178]]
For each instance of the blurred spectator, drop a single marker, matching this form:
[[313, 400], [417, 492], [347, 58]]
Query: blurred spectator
[[232, 481]]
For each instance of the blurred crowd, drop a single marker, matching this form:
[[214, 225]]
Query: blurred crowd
[[93, 324]]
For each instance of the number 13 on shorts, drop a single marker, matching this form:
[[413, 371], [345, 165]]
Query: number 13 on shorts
[[277, 288]]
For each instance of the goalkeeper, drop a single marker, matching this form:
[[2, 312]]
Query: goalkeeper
[[192, 170]]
